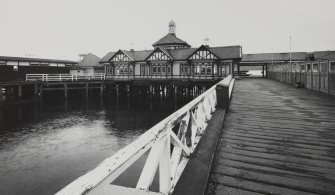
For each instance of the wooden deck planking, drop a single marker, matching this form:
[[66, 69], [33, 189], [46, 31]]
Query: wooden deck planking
[[276, 139]]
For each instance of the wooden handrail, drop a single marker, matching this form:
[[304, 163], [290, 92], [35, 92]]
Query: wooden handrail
[[193, 119], [102, 76]]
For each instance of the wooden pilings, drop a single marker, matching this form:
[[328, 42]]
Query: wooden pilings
[[86, 89], [19, 91], [1, 95], [101, 89], [31, 90], [35, 89], [65, 90]]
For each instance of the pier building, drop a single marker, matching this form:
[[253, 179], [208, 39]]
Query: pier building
[[88, 64], [172, 58], [16, 68]]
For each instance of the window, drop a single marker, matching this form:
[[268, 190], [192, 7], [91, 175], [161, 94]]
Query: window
[[323, 67], [315, 67], [203, 70], [158, 70], [308, 66], [12, 63], [169, 70], [131, 70], [209, 70], [196, 70], [302, 67], [24, 63], [154, 70], [332, 66], [2, 63], [34, 63], [15, 68], [46, 64], [184, 69], [297, 68]]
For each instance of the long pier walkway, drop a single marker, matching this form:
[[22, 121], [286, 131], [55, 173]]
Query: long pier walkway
[[276, 139]]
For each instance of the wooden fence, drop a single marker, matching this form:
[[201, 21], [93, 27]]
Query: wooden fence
[[315, 75], [64, 77]]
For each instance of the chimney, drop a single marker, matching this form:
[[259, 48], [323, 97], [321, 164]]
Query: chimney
[[131, 47], [206, 40]]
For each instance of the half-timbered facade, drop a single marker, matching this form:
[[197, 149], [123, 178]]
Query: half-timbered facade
[[173, 58]]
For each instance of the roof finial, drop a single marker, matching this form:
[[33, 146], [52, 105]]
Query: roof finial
[[172, 27], [206, 40]]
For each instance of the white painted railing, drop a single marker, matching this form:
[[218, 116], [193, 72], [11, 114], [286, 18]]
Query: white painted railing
[[64, 77], [102, 76], [192, 120]]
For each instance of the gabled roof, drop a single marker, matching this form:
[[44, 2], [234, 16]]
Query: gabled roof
[[107, 57], [166, 52], [129, 54], [90, 60], [124, 52], [223, 53], [202, 47], [268, 57], [135, 55], [181, 54], [229, 52], [141, 55], [170, 39]]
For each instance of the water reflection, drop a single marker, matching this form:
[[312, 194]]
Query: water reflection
[[47, 144]]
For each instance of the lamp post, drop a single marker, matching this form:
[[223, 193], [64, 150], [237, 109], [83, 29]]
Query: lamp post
[[290, 51]]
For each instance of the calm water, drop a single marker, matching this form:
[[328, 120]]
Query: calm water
[[47, 144]]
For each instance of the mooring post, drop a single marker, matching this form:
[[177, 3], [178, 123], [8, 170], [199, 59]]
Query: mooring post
[[117, 89], [128, 88], [222, 94], [86, 89], [19, 91], [41, 90], [175, 91], [65, 90], [101, 89], [1, 95], [35, 89]]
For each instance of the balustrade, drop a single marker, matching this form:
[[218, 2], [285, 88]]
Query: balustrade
[[191, 122]]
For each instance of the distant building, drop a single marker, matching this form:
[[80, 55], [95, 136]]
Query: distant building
[[174, 58], [16, 68], [89, 64]]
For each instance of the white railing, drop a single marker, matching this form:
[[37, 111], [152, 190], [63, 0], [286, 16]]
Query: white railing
[[102, 76], [192, 120], [158, 77], [64, 77]]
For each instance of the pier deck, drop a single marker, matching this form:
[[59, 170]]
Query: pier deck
[[276, 139]]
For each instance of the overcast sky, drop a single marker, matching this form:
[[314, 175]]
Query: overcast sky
[[64, 28]]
